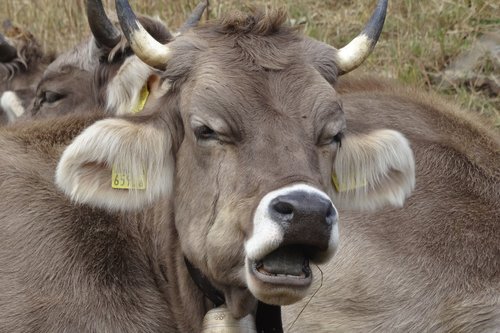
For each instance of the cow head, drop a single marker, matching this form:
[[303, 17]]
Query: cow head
[[78, 80], [244, 145]]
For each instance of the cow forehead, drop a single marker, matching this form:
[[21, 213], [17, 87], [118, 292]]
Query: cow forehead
[[251, 79], [83, 56], [297, 91], [65, 79]]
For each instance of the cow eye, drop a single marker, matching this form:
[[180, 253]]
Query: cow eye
[[51, 97], [205, 133], [338, 138], [332, 139]]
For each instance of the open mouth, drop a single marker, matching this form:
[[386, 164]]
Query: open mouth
[[285, 266]]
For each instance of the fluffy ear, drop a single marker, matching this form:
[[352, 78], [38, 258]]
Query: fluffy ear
[[132, 86], [373, 170], [123, 93], [135, 157]]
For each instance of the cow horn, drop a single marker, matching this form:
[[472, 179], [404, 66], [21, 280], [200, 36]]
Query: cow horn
[[103, 30], [7, 51], [142, 43], [353, 54], [195, 17]]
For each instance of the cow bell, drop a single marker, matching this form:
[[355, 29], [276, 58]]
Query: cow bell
[[220, 320]]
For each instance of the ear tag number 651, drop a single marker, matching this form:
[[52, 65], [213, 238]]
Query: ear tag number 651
[[123, 181]]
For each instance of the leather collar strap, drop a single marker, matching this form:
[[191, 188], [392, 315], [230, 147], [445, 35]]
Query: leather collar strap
[[214, 295], [268, 318]]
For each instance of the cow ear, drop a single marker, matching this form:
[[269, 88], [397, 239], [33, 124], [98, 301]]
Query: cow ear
[[117, 164], [128, 91], [373, 170]]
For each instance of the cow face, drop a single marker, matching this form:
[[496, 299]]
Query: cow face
[[93, 75], [63, 89], [254, 165], [243, 146]]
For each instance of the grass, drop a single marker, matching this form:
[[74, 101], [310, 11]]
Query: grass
[[420, 37]]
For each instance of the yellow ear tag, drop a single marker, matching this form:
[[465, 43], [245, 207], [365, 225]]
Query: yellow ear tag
[[143, 98], [351, 184], [123, 181]]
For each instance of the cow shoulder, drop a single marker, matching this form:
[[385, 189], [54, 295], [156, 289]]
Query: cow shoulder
[[28, 156], [41, 140]]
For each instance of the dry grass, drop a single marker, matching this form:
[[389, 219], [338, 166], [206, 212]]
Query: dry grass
[[420, 37]]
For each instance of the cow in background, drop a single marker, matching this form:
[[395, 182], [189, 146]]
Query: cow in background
[[77, 81]]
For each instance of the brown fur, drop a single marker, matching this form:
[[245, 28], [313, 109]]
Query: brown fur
[[259, 23], [434, 265]]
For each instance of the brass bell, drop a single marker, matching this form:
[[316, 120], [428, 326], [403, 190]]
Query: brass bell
[[220, 320]]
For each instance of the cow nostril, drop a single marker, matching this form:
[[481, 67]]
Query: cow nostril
[[330, 215], [330, 212], [283, 208]]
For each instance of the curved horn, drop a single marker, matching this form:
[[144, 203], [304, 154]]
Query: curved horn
[[142, 43], [103, 30], [195, 17], [353, 54], [7, 51]]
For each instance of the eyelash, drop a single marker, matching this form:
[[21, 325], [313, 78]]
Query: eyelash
[[205, 133], [338, 138]]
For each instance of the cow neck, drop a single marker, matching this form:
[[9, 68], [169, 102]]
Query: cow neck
[[210, 292], [268, 317]]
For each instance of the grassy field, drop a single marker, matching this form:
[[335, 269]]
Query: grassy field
[[420, 37]]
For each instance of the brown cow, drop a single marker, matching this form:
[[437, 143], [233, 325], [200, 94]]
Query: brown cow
[[77, 81], [433, 266], [230, 170], [22, 62]]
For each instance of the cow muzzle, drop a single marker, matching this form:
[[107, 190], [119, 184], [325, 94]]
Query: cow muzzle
[[293, 226]]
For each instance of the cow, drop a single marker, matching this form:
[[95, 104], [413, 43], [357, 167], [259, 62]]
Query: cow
[[434, 265], [22, 62], [224, 178], [77, 81]]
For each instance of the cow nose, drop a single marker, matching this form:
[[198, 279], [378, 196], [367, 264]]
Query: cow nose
[[303, 207], [306, 218]]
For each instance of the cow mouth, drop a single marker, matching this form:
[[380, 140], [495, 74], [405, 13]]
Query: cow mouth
[[286, 266]]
